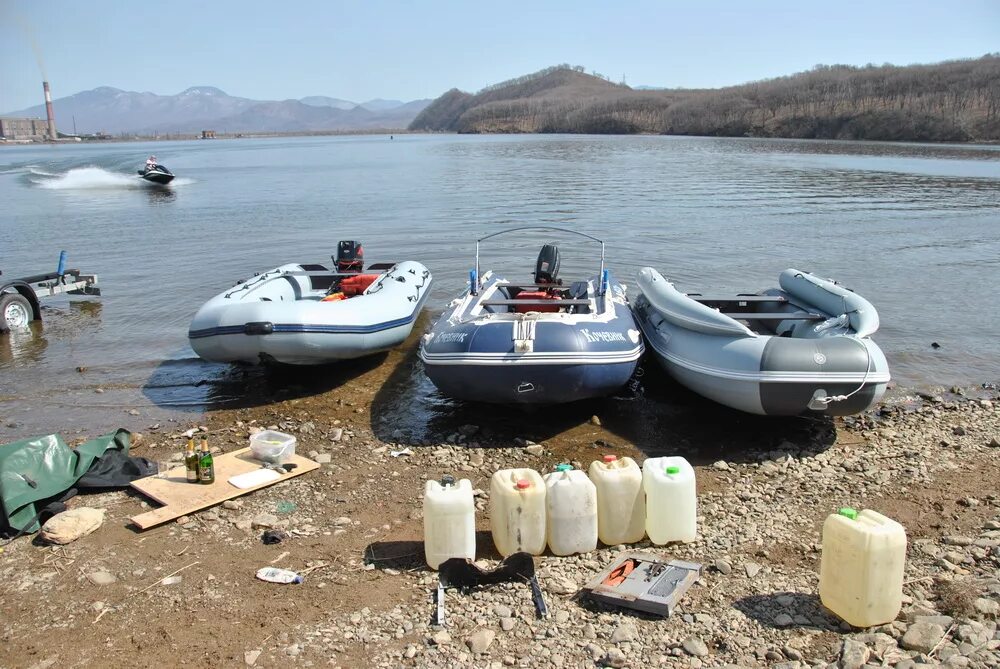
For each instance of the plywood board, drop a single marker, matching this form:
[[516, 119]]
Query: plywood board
[[180, 497]]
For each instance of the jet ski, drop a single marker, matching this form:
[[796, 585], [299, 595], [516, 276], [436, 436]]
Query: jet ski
[[157, 174]]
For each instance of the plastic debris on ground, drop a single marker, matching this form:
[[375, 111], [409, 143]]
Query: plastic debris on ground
[[275, 575]]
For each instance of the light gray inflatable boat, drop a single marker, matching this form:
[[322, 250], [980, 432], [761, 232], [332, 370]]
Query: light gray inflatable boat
[[802, 348], [281, 316]]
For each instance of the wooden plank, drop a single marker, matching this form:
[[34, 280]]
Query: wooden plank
[[180, 497], [738, 298], [777, 316], [512, 303]]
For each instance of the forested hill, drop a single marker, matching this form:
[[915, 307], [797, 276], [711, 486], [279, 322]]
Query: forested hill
[[951, 101]]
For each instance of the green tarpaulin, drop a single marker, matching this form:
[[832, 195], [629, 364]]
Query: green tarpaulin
[[37, 469]]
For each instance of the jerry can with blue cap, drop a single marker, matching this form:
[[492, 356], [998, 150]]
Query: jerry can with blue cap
[[570, 511]]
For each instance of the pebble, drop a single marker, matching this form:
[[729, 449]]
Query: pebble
[[101, 578], [624, 632], [695, 646], [480, 640], [783, 620], [534, 449], [922, 637], [264, 520], [561, 586], [853, 654], [751, 569], [723, 567], [987, 607], [614, 658]]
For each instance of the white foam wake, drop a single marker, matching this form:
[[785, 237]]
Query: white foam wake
[[86, 178]]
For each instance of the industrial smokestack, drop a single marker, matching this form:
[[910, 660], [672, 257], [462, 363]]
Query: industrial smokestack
[[48, 111]]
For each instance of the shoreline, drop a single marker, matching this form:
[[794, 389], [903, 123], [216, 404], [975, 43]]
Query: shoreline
[[764, 487], [182, 137]]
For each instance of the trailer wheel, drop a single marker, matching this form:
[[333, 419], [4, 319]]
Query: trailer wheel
[[15, 312]]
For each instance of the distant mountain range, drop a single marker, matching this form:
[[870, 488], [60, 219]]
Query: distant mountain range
[[113, 111]]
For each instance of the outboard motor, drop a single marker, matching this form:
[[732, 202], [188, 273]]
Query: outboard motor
[[547, 266], [350, 257]]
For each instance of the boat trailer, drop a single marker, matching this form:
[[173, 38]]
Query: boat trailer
[[19, 298]]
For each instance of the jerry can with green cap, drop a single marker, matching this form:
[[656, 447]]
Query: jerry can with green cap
[[517, 511], [671, 500], [861, 569], [570, 511]]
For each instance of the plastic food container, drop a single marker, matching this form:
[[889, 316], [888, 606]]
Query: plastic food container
[[271, 446]]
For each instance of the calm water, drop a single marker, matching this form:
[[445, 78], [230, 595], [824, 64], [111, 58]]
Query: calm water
[[914, 228]]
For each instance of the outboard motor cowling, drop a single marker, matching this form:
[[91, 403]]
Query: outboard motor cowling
[[547, 266], [350, 257]]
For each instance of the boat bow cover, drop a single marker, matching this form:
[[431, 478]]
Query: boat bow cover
[[831, 298], [684, 312]]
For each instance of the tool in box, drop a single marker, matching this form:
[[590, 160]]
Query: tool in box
[[644, 582]]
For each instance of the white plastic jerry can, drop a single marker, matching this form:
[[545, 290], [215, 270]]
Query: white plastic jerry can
[[861, 569], [517, 511], [449, 521], [621, 501], [570, 511], [671, 500]]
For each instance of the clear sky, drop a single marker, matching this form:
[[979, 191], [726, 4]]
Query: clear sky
[[363, 49]]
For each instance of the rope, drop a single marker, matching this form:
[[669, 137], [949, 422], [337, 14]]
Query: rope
[[829, 399]]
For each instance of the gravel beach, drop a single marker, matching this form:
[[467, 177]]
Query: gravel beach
[[928, 460]]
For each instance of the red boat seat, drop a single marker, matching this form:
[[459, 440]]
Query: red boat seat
[[536, 295], [352, 286]]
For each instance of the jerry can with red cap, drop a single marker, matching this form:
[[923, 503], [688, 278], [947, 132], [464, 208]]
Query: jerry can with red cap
[[517, 511], [621, 501]]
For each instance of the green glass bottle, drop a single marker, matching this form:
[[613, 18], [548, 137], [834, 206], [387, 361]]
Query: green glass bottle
[[206, 466], [191, 462]]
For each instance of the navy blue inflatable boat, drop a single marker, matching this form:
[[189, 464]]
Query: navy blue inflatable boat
[[543, 342]]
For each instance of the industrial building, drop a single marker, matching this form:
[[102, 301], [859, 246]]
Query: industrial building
[[23, 129]]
